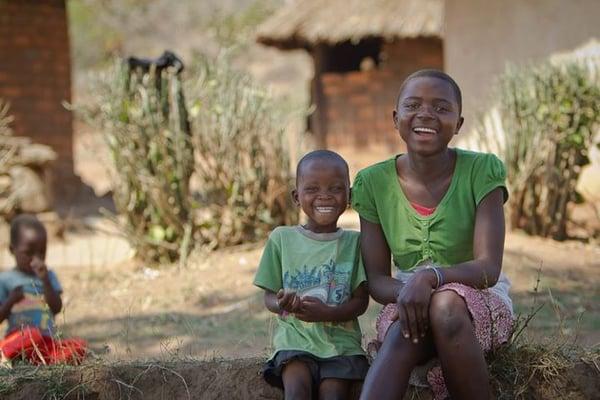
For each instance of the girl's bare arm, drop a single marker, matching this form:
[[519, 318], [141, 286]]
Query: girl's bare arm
[[488, 246], [376, 258]]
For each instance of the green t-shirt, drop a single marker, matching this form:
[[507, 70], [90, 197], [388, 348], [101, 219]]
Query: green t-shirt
[[444, 237], [327, 266]]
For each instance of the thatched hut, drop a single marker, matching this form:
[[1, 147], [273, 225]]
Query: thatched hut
[[362, 50]]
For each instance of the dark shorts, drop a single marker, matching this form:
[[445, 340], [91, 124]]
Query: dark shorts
[[340, 367]]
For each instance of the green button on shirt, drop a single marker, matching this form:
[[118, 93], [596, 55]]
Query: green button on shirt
[[444, 237]]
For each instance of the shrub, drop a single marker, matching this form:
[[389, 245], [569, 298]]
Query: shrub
[[243, 157], [144, 120], [543, 128], [219, 177]]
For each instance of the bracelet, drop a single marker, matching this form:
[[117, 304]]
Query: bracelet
[[438, 276]]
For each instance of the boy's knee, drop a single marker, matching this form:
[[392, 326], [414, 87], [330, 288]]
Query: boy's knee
[[332, 396], [334, 389], [298, 391], [448, 314], [297, 381]]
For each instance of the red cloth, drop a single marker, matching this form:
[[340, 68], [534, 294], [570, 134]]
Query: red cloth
[[39, 350], [424, 211]]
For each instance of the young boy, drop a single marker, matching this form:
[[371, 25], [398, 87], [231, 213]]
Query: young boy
[[315, 282], [30, 296]]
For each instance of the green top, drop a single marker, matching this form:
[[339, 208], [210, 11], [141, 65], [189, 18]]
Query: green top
[[327, 266], [444, 237]]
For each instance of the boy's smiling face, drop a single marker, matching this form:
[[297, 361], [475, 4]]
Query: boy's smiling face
[[31, 244], [323, 190], [427, 115]]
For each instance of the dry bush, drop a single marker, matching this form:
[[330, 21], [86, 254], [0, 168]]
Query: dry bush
[[543, 128], [144, 120], [243, 157], [234, 143]]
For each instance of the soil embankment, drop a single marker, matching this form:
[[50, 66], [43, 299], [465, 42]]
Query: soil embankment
[[206, 380]]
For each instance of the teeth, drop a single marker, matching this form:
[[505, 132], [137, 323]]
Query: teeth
[[425, 130], [324, 210]]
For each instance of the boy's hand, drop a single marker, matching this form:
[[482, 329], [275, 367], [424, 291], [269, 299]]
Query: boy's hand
[[313, 310], [15, 295], [39, 268], [288, 301]]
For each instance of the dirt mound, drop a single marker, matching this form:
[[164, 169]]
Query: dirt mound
[[207, 380]]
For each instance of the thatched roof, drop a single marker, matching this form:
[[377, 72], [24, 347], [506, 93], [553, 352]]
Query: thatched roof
[[305, 23]]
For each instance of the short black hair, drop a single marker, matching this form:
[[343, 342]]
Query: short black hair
[[434, 73], [25, 221], [321, 155]]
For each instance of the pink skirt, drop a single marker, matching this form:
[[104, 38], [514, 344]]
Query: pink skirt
[[492, 319]]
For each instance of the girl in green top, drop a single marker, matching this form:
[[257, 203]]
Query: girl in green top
[[438, 213]]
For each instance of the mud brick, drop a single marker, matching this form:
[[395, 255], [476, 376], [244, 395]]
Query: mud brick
[[332, 79], [36, 78], [333, 89], [10, 91], [333, 113], [360, 99], [357, 78], [367, 113]]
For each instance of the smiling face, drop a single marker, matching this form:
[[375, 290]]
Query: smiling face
[[30, 244], [323, 190], [427, 115]]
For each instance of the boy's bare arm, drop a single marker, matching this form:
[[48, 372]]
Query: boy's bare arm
[[314, 310], [14, 297]]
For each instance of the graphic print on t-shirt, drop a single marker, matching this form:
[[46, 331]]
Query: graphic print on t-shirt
[[329, 282]]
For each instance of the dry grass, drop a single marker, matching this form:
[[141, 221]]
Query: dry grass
[[523, 365]]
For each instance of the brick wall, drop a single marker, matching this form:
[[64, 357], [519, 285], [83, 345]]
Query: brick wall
[[35, 74], [358, 105]]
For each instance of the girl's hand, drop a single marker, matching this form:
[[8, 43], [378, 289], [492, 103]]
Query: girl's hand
[[313, 310], [288, 301], [413, 305]]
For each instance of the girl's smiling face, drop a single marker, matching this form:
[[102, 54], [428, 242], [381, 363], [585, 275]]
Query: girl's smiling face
[[427, 115]]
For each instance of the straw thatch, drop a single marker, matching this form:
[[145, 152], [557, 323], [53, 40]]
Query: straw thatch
[[306, 23]]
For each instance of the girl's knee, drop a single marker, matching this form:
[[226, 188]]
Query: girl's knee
[[394, 337], [448, 314], [398, 349]]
